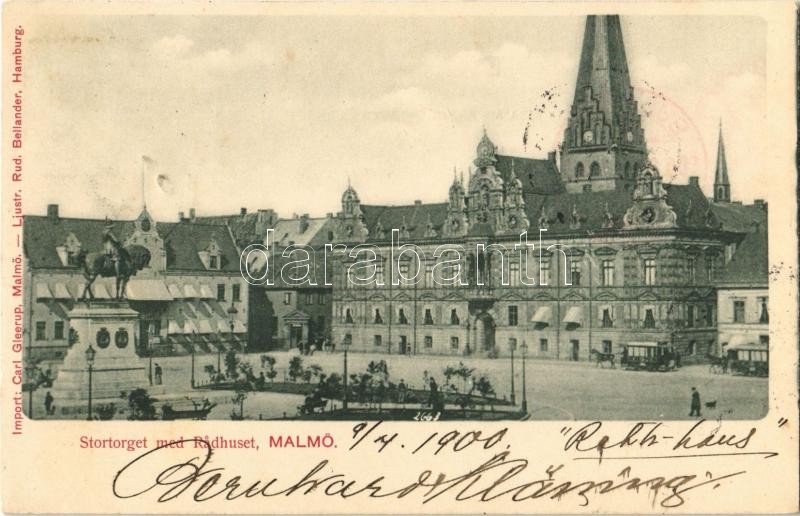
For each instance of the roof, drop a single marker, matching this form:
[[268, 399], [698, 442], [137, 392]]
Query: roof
[[739, 218], [182, 240], [537, 175], [303, 231], [749, 265], [414, 217], [246, 228]]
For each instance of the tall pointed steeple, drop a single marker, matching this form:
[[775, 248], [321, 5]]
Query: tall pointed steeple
[[722, 185], [604, 145]]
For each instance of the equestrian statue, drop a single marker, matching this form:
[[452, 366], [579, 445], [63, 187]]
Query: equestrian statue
[[114, 261]]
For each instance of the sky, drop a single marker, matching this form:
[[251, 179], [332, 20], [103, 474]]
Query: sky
[[281, 112]]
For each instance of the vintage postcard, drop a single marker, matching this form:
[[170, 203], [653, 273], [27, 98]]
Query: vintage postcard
[[426, 258]]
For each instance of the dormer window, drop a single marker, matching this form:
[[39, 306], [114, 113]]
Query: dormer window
[[211, 256], [213, 262], [68, 252]]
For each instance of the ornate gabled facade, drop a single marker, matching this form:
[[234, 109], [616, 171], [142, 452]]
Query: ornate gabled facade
[[625, 256]]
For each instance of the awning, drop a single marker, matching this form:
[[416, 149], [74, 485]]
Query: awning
[[222, 326], [647, 344], [60, 291], [238, 326], [190, 291], [542, 316], [43, 291], [205, 292], [175, 291], [574, 315], [148, 290], [189, 310], [174, 328], [204, 326], [739, 341], [189, 327]]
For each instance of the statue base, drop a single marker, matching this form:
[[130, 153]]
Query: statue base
[[111, 329]]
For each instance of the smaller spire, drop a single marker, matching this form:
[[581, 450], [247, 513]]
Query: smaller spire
[[722, 185]]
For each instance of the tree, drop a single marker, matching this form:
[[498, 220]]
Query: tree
[[314, 370], [211, 371], [141, 405], [267, 362], [295, 368], [241, 388], [484, 387], [459, 371]]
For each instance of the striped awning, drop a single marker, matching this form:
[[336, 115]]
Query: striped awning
[[43, 291], [204, 326], [189, 327], [206, 293], [148, 290], [738, 341], [174, 327], [175, 291], [238, 326], [190, 292], [574, 315], [60, 291], [543, 315]]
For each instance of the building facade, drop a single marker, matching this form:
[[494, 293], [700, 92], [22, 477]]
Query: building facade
[[622, 257], [189, 296]]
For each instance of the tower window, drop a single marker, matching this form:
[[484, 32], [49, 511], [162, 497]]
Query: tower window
[[579, 170], [594, 169], [628, 170], [649, 271]]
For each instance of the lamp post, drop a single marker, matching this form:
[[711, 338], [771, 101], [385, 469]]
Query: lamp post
[[90, 353], [232, 311], [345, 345], [524, 396], [192, 381], [149, 358], [511, 345]]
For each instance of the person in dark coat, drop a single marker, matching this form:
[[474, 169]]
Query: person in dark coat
[[695, 408], [48, 403]]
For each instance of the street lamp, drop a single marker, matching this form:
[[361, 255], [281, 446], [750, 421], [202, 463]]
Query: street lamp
[[90, 353], [524, 397], [232, 311], [193, 383], [345, 345], [150, 356], [512, 343]]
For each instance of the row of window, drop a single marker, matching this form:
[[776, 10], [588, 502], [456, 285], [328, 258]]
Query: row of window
[[738, 311], [607, 276], [41, 330], [236, 292], [309, 298]]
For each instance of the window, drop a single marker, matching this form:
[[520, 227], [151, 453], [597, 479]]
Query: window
[[378, 318], [690, 316], [220, 292], [691, 270], [428, 341], [607, 346], [379, 274], [378, 339], [692, 349], [513, 270], [309, 299], [575, 272], [320, 298], [402, 317], [607, 322], [58, 330], [330, 236], [543, 345], [594, 169], [763, 318], [213, 262], [428, 317], [738, 311], [287, 298], [710, 268], [649, 319], [453, 342], [348, 316], [512, 315], [236, 292], [41, 330], [709, 315], [454, 320], [608, 273], [544, 273], [579, 170], [763, 340], [650, 271], [404, 268], [429, 275]]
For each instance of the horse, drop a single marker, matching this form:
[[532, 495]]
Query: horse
[[718, 365], [131, 260], [604, 357]]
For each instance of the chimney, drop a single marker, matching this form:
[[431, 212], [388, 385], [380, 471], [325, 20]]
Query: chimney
[[329, 215], [181, 216], [242, 211], [759, 203], [694, 181], [52, 212], [417, 203], [303, 222], [191, 214], [551, 156]]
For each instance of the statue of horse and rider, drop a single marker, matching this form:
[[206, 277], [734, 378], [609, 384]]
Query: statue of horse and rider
[[115, 261]]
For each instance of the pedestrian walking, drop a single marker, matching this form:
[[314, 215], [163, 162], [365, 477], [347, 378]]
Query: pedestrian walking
[[695, 407], [48, 403], [159, 374]]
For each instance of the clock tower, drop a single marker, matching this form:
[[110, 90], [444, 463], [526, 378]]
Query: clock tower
[[604, 146]]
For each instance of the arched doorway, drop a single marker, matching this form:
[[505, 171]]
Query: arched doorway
[[484, 331]]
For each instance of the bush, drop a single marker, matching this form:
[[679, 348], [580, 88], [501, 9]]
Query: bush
[[141, 405], [492, 353], [295, 368]]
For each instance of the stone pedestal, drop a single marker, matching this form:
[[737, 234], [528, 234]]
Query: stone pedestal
[[110, 327]]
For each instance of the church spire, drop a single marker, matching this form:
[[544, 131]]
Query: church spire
[[604, 145], [722, 185]]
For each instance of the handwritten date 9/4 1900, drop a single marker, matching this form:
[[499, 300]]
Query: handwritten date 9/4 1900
[[498, 476]]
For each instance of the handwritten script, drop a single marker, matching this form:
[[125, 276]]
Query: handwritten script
[[499, 475]]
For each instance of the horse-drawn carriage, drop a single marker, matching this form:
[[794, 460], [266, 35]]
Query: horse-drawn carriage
[[749, 359], [650, 356], [199, 410]]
